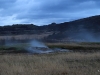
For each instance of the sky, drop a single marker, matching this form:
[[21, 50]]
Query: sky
[[44, 12]]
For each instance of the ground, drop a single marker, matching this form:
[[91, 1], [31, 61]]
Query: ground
[[67, 63]]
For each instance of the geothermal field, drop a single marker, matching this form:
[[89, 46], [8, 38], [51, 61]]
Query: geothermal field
[[38, 58], [49, 37]]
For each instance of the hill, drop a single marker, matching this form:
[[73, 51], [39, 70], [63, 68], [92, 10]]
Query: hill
[[86, 29]]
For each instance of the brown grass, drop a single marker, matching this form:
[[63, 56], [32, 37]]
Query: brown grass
[[86, 47], [50, 64], [24, 36]]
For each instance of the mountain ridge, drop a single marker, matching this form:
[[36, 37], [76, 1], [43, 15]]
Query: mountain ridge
[[86, 29]]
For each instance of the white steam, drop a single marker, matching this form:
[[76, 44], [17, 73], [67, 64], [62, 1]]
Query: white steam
[[34, 46], [36, 43], [38, 47]]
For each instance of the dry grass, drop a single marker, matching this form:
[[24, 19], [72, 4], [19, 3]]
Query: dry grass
[[75, 46], [25, 36], [50, 64]]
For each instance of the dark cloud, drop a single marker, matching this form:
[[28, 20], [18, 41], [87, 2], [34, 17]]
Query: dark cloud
[[42, 12], [6, 3]]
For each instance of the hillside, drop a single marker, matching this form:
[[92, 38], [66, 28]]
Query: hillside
[[86, 29]]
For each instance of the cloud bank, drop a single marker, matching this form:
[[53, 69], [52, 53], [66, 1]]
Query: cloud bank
[[42, 12]]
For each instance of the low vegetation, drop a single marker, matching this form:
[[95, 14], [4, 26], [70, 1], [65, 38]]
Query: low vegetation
[[14, 48], [14, 60], [73, 63], [75, 47], [83, 46]]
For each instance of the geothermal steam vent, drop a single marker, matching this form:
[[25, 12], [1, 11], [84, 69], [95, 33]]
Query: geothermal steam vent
[[39, 47]]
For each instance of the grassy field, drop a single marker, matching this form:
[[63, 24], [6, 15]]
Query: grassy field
[[71, 63], [77, 46], [19, 62]]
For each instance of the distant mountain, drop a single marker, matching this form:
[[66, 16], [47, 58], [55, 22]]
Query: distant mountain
[[86, 29]]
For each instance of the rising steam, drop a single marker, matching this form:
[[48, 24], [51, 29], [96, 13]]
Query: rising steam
[[82, 34], [33, 47], [38, 47]]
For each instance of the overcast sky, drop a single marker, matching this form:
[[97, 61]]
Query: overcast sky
[[42, 12]]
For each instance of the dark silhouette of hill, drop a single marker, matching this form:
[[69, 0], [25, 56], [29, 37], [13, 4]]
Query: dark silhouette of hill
[[86, 29]]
